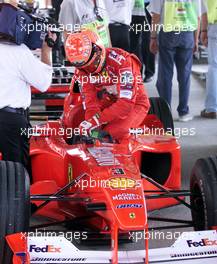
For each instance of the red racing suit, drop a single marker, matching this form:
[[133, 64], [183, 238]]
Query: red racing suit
[[117, 94]]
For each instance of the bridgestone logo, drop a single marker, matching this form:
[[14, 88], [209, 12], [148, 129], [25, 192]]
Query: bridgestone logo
[[194, 254], [58, 259]]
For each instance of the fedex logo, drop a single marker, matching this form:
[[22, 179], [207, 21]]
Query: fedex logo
[[46, 249], [203, 243]]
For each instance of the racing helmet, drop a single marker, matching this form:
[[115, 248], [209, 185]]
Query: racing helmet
[[86, 51]]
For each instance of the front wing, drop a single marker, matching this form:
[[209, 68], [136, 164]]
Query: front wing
[[190, 248]]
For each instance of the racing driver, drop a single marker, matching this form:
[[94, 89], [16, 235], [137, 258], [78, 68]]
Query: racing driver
[[114, 97]]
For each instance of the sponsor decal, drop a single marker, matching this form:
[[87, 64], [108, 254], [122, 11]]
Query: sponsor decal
[[45, 249], [194, 254], [127, 206], [103, 156], [122, 183], [127, 197], [118, 171], [202, 243], [132, 215], [43, 260], [181, 11]]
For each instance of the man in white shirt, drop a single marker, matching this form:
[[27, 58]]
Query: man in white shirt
[[120, 16], [19, 70]]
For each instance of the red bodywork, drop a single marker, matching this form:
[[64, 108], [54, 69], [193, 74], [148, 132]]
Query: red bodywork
[[110, 172]]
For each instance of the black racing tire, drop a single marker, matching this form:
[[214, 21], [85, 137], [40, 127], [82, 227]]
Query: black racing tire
[[203, 186], [14, 204], [161, 109]]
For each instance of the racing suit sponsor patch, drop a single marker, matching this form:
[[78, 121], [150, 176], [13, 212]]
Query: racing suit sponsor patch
[[126, 79], [126, 94], [111, 89], [116, 57]]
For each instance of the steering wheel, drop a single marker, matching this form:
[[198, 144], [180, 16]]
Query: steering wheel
[[101, 135]]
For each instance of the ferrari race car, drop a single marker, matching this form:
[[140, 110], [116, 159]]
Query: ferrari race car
[[103, 189]]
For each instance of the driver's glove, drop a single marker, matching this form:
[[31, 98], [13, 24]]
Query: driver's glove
[[90, 124]]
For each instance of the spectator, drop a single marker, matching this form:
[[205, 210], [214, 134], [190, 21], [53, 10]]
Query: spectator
[[148, 57], [88, 13], [209, 37], [56, 5], [140, 38], [178, 38], [136, 28], [120, 15]]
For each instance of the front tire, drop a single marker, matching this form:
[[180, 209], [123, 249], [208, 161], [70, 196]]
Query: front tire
[[203, 186], [14, 204]]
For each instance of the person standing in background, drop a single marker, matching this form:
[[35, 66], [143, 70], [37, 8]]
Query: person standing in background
[[91, 14], [148, 57], [120, 15], [178, 39], [56, 5], [136, 29], [209, 38], [140, 38]]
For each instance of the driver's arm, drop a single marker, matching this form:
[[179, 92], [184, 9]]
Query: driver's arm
[[90, 101], [128, 92]]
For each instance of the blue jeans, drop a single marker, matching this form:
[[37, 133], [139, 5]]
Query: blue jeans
[[211, 85], [175, 49]]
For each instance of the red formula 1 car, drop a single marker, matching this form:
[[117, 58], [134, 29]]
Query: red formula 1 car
[[100, 187]]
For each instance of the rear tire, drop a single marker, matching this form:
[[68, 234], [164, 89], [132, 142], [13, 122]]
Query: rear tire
[[14, 204], [203, 186], [161, 109]]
